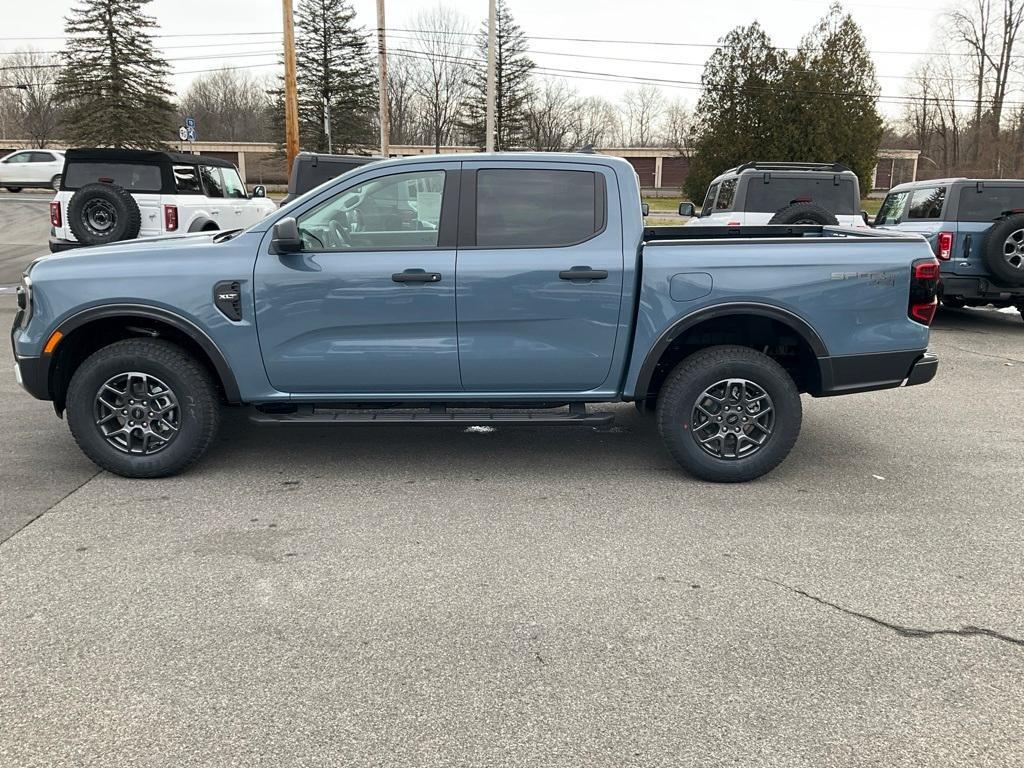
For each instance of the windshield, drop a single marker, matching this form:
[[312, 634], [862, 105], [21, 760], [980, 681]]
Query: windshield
[[892, 209]]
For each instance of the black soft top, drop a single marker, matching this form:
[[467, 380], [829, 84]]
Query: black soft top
[[142, 156]]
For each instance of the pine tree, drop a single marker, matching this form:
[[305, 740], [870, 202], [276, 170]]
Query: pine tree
[[512, 68], [832, 85], [113, 82], [740, 108], [335, 74]]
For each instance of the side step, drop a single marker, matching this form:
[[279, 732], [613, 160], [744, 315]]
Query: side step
[[576, 416]]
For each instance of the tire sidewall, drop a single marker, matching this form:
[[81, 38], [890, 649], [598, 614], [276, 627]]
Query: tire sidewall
[[675, 414], [125, 209], [85, 386], [993, 250], [55, 183]]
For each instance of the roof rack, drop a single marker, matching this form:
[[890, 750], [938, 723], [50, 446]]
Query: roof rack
[[775, 166]]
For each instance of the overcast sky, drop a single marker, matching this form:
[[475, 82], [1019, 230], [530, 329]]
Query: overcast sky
[[894, 30]]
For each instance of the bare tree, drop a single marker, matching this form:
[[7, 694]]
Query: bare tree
[[642, 108], [229, 105], [402, 100], [442, 83], [593, 121], [676, 124], [28, 106], [549, 117]]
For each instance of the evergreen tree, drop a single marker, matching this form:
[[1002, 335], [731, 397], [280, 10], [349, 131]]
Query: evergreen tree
[[335, 74], [113, 83], [833, 90], [740, 108], [512, 68]]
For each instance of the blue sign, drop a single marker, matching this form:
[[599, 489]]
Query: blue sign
[[191, 133], [190, 123]]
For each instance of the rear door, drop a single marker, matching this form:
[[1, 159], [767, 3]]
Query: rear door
[[540, 273], [923, 214]]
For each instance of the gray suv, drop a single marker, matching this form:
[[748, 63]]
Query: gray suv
[[975, 228]]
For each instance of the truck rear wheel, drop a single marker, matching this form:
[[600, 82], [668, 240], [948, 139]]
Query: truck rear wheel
[[143, 408], [729, 414]]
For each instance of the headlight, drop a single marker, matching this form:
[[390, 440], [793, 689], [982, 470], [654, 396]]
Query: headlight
[[24, 294]]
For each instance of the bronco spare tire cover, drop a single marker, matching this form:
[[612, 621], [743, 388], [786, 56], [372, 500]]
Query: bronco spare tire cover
[[803, 213], [103, 213], [1003, 250]]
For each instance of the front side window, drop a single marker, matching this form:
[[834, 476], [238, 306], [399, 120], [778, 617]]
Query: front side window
[[211, 181], [398, 211], [989, 203], [892, 209], [709, 201], [17, 157], [186, 180], [926, 203], [135, 177], [534, 208], [233, 186]]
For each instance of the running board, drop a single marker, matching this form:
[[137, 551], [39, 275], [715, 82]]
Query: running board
[[576, 416]]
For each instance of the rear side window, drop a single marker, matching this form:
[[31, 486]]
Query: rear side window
[[41, 157], [134, 177], [726, 194], [926, 203], [525, 208], [990, 203], [778, 192], [186, 180], [892, 209]]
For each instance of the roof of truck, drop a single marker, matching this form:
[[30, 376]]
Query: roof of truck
[[922, 183], [142, 156]]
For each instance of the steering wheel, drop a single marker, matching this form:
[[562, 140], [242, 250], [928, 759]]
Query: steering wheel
[[337, 236], [355, 202]]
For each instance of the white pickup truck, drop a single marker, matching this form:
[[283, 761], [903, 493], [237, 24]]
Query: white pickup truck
[[109, 195]]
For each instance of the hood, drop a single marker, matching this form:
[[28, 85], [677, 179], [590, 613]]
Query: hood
[[155, 246]]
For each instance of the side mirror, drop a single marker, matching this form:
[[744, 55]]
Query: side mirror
[[286, 237], [687, 209], [867, 217], [259, 191], [645, 209]]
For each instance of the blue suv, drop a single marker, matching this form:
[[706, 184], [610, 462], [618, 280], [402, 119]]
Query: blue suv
[[975, 228]]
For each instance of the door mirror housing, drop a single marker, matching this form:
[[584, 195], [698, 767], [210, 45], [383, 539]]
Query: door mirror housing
[[645, 209], [259, 191], [286, 237], [867, 218], [687, 209]]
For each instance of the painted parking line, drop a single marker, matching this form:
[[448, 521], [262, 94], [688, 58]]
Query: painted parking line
[[22, 199]]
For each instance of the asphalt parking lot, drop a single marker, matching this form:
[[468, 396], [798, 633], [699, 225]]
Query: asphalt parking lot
[[433, 596]]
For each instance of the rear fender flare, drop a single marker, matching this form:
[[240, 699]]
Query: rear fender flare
[[798, 325]]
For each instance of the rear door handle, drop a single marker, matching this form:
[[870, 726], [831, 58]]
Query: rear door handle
[[416, 276], [583, 273]]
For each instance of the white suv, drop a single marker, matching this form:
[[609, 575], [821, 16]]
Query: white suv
[[108, 195], [31, 168], [781, 193]]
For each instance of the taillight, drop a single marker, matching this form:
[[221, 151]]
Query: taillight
[[55, 214], [944, 246], [170, 218], [924, 291]]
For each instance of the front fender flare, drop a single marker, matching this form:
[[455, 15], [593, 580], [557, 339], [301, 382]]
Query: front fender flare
[[176, 321]]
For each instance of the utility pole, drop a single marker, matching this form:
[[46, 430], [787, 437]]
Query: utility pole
[[327, 125], [382, 74], [291, 95], [491, 86]]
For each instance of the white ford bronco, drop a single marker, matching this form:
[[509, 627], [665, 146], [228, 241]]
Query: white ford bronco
[[108, 195], [781, 193]]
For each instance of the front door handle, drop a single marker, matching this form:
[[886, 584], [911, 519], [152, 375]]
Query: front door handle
[[416, 276], [583, 273]]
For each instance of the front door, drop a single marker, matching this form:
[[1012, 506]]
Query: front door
[[368, 306], [540, 274]]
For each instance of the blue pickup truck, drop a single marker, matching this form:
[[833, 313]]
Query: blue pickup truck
[[477, 289]]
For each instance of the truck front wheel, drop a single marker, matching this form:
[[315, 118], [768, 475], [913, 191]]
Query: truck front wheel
[[729, 414], [143, 408]]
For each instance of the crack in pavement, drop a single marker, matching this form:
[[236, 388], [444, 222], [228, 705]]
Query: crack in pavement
[[901, 630], [985, 354], [31, 520]]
